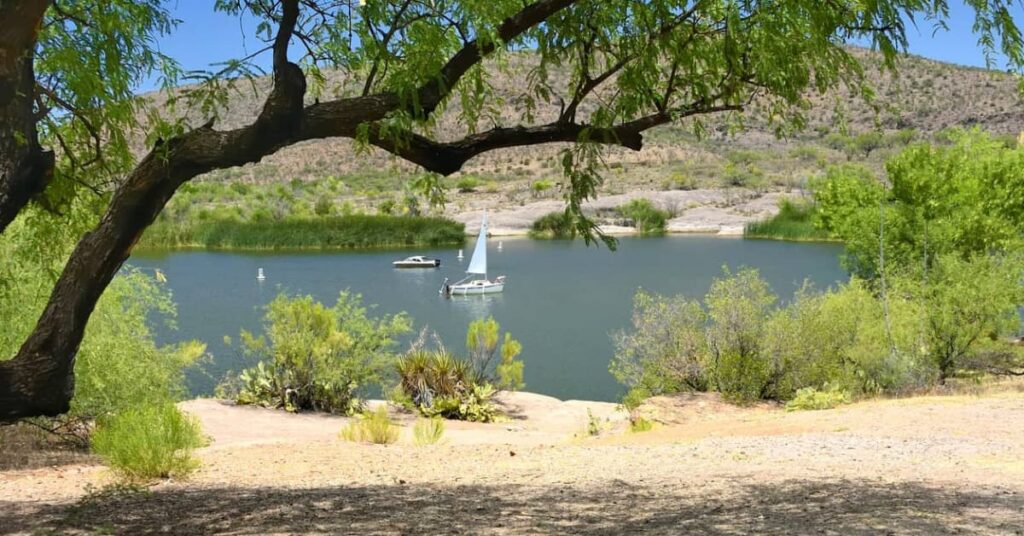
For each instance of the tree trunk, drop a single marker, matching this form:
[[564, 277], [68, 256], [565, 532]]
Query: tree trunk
[[25, 168], [40, 378]]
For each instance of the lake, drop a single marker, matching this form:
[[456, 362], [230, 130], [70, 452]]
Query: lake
[[563, 300]]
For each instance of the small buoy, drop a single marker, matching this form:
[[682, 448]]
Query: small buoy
[[460, 254], [499, 246], [259, 274]]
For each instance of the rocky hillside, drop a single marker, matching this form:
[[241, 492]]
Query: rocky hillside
[[928, 96]]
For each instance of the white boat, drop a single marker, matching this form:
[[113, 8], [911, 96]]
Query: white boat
[[473, 283], [417, 261]]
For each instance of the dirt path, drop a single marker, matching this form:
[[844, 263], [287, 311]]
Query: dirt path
[[921, 466]]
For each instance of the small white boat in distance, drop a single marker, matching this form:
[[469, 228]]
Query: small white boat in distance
[[477, 267], [417, 261]]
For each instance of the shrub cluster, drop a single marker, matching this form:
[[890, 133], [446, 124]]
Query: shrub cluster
[[559, 224], [314, 357], [648, 219], [436, 383], [852, 339]]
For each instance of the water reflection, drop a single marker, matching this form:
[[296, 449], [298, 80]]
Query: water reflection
[[478, 306]]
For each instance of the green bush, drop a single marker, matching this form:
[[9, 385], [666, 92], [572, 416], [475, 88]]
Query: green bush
[[554, 225], [323, 207], [665, 350], [742, 344], [317, 358], [428, 431], [468, 184], [970, 308], [474, 404], [647, 218], [440, 384], [151, 441], [810, 398], [372, 427], [640, 424], [679, 181], [482, 338], [539, 187], [386, 207], [593, 424], [744, 176], [961, 200]]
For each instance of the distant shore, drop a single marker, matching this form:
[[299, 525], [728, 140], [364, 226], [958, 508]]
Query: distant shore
[[724, 212]]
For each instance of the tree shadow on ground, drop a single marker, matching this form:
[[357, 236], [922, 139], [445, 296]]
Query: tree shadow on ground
[[24, 447], [787, 507]]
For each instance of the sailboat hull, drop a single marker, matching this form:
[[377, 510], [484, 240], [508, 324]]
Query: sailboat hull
[[477, 287]]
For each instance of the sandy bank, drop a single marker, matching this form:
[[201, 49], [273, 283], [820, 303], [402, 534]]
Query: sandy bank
[[724, 212], [531, 419]]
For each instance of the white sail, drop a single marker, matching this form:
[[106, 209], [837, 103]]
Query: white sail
[[478, 263]]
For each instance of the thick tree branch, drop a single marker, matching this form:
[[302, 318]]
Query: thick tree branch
[[449, 157]]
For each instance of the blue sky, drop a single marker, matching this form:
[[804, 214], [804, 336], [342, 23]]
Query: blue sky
[[204, 37]]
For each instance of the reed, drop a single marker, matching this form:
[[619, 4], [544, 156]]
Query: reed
[[795, 221], [330, 232]]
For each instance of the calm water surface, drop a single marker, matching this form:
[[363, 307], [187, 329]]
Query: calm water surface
[[563, 300]]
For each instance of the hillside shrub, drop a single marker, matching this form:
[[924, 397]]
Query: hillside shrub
[[150, 441], [539, 187], [323, 207], [468, 184]]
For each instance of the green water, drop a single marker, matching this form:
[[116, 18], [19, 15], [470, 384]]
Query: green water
[[562, 300]]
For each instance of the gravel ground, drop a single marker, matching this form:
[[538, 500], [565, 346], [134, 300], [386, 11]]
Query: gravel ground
[[921, 466]]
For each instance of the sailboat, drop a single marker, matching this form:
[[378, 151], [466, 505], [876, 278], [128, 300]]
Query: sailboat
[[472, 284]]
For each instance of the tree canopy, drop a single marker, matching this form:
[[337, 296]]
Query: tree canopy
[[69, 69]]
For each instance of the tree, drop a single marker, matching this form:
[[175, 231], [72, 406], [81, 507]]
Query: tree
[[634, 65], [964, 199], [966, 304]]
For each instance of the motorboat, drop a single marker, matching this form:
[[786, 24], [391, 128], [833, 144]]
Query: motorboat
[[473, 283], [417, 261]]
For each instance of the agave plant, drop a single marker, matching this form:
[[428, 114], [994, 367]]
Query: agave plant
[[440, 384]]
